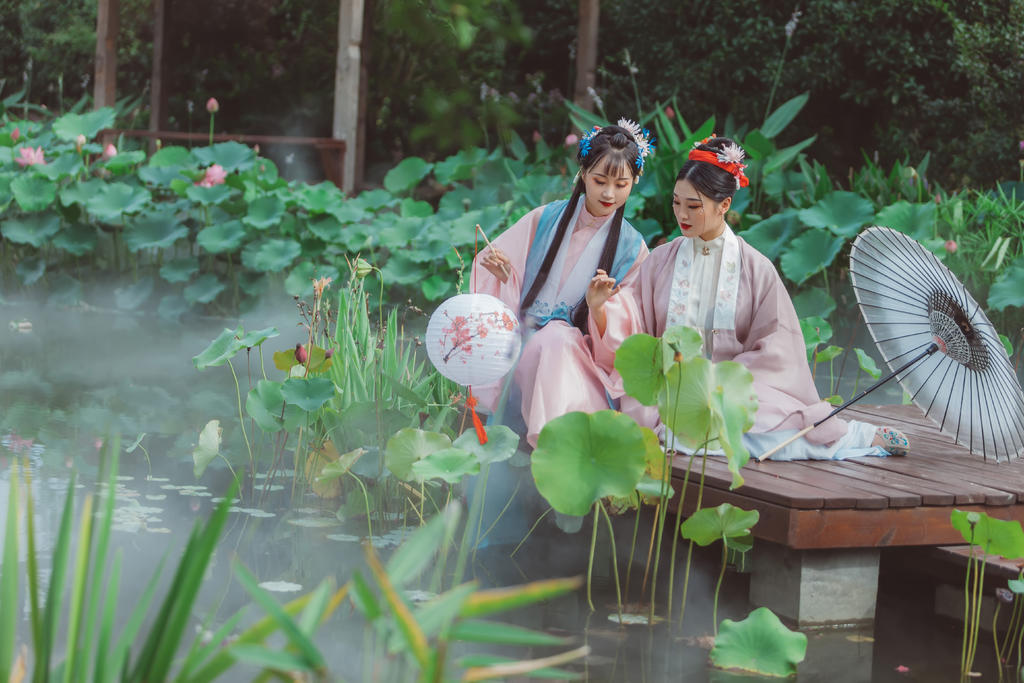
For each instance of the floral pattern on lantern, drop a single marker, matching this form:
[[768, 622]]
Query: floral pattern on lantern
[[473, 339]]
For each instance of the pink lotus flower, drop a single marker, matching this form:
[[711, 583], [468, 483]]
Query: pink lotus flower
[[15, 134], [215, 175], [536, 136], [670, 113], [951, 246], [212, 105], [109, 152], [30, 157], [902, 669], [571, 139]]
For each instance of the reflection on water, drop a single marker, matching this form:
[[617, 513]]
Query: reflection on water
[[76, 377]]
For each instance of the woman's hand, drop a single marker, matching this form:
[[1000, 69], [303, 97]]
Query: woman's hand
[[496, 263], [602, 287]]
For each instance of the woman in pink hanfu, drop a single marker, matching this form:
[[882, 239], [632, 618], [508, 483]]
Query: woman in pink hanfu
[[550, 264], [712, 280]]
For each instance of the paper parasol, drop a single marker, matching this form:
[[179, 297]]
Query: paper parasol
[[953, 364], [473, 339]]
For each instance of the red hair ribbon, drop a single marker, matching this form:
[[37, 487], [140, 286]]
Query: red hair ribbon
[[481, 434], [734, 169]]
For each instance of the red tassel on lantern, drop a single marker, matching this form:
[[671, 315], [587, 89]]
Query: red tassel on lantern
[[481, 434]]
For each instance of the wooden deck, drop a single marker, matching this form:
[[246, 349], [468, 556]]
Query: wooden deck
[[868, 502]]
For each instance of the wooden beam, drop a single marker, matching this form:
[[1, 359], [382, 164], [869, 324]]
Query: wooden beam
[[156, 87], [347, 91], [105, 81], [586, 54]]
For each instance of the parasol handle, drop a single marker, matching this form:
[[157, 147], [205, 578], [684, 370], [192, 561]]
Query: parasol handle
[[932, 348]]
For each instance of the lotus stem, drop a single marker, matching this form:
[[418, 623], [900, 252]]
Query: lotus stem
[[241, 417], [590, 562], [366, 500], [542, 516], [718, 588], [632, 546], [615, 560], [650, 549], [995, 639], [502, 513], [675, 542]]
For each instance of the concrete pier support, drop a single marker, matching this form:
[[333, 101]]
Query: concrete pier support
[[815, 587]]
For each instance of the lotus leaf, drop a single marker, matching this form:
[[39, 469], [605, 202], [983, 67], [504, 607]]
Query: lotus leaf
[[154, 231], [220, 350], [180, 270], [916, 220], [308, 393], [843, 213], [813, 302], [5, 190], [300, 280], [65, 291], [318, 360], [123, 162], [62, 167], [462, 199], [115, 200], [81, 192], [408, 446], [207, 448], [867, 364], [341, 464], [760, 644], [501, 444], [402, 269], [540, 189], [33, 192], [406, 175], [221, 237], [809, 253], [204, 290], [829, 353], [437, 287], [76, 239], [449, 464], [643, 360], [231, 155], [264, 404], [208, 196], [30, 269], [459, 166], [373, 200], [326, 227], [1008, 288], [1004, 538], [726, 523], [399, 232], [816, 330], [581, 458], [270, 255], [322, 198], [169, 157], [264, 212], [257, 337], [172, 307], [415, 208], [134, 295], [772, 235], [33, 230], [162, 176], [69, 126]]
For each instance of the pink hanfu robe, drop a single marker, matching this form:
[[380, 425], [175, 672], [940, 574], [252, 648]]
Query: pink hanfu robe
[[763, 334], [556, 373]]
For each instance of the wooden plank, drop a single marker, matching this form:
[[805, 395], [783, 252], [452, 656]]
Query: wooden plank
[[838, 491], [586, 53], [903, 494], [910, 487], [995, 565], [156, 95], [966, 492], [758, 485], [105, 77]]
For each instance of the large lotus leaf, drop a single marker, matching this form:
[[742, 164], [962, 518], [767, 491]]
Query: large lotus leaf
[[322, 198], [326, 227], [160, 175], [773, 234], [760, 644], [172, 307], [30, 269], [257, 337], [270, 255], [640, 362], [76, 239], [1008, 288], [501, 444], [682, 340], [204, 290], [867, 364], [689, 407], [816, 330], [463, 198], [264, 212], [180, 270], [231, 155], [374, 200], [134, 295], [81, 192], [449, 464], [415, 208], [69, 126], [437, 287], [65, 291], [117, 199], [154, 231], [406, 175], [207, 448], [124, 162], [916, 220], [408, 446], [33, 230], [170, 157], [64, 166], [1004, 538], [308, 393], [814, 302], [539, 189], [844, 213], [33, 192], [583, 457], [402, 269], [459, 166], [220, 349], [809, 253], [399, 232], [734, 403], [221, 237], [265, 404], [208, 196], [300, 280], [721, 523]]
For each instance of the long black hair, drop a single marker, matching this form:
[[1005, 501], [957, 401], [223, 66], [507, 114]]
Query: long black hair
[[616, 148]]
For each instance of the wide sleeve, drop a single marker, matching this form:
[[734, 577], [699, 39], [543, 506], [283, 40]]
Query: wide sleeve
[[515, 242]]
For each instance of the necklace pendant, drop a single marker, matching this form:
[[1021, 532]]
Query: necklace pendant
[[705, 251]]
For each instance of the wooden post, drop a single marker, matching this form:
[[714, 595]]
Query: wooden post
[[156, 88], [348, 69], [586, 53], [105, 86]]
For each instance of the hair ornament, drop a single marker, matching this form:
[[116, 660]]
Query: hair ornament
[[698, 143], [729, 158], [586, 139], [643, 139]]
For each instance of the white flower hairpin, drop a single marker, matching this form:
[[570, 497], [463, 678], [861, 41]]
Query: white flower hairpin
[[642, 137]]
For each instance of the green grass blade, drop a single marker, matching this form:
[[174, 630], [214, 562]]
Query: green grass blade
[[54, 596], [9, 579], [363, 598], [199, 654], [500, 599], [131, 628], [78, 579], [480, 631], [485, 667], [314, 612], [32, 563], [310, 654], [407, 626], [264, 658], [106, 630]]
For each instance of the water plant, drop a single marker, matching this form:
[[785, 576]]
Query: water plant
[[759, 644]]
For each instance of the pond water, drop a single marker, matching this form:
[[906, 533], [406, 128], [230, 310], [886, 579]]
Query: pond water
[[77, 376]]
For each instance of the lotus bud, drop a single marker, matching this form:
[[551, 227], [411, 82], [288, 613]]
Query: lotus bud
[[15, 134], [79, 143], [109, 152], [951, 246], [328, 353], [212, 105], [301, 354], [536, 136], [670, 113], [363, 268], [571, 139]]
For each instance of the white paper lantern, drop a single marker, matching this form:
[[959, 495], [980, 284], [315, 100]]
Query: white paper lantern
[[473, 339]]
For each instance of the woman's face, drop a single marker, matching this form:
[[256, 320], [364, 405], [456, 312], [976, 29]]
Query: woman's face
[[607, 187], [697, 215]]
